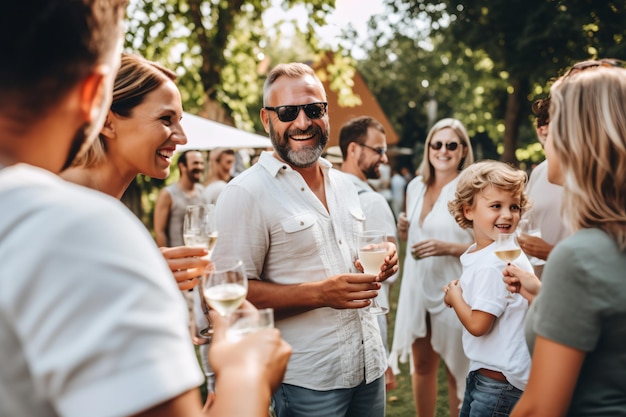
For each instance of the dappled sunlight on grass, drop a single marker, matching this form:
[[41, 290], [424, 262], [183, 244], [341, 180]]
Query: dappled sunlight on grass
[[400, 400]]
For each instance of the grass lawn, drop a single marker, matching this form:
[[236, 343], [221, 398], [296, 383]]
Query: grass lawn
[[400, 400]]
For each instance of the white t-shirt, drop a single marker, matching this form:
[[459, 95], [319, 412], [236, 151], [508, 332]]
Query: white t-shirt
[[547, 199], [213, 190], [285, 235], [503, 348], [91, 321]]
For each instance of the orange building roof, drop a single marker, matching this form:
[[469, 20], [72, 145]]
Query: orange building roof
[[339, 115]]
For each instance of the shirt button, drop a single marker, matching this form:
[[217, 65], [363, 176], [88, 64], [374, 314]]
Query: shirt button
[[284, 166], [302, 189], [301, 223], [340, 241]]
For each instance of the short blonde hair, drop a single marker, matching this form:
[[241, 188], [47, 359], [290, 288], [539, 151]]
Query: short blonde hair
[[480, 175], [135, 79], [426, 169], [588, 133]]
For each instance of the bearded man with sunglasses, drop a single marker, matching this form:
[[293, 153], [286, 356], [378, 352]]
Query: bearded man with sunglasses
[[294, 221]]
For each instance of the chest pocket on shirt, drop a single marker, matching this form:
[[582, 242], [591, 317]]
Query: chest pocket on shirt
[[300, 237], [358, 218]]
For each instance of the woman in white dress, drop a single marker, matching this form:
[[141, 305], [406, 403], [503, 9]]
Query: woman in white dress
[[425, 329]]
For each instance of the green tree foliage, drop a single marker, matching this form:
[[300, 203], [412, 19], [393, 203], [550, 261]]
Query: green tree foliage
[[215, 46], [217, 49], [519, 44], [408, 75]]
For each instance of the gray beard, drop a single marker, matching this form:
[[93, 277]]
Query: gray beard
[[307, 155]]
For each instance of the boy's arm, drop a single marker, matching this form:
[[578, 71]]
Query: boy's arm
[[476, 322]]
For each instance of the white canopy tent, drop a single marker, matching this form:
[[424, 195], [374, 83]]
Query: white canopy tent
[[205, 134]]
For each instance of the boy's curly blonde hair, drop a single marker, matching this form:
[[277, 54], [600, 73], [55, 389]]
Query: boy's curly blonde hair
[[480, 175]]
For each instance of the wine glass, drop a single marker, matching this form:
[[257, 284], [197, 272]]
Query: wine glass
[[199, 227], [528, 225], [508, 250], [372, 250], [245, 321], [199, 230], [225, 287]]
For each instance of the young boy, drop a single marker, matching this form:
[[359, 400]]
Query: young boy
[[490, 199]]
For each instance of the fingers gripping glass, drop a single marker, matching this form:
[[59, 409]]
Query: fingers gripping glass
[[290, 113], [451, 146]]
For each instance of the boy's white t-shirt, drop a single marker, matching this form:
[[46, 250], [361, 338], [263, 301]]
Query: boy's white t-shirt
[[503, 348]]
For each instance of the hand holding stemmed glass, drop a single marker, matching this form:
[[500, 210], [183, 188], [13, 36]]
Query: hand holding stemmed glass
[[199, 230], [372, 250], [225, 286], [508, 250]]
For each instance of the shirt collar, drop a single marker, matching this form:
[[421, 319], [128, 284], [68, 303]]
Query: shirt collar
[[273, 165]]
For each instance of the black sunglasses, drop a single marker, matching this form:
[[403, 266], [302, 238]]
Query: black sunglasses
[[290, 113], [451, 146], [379, 151]]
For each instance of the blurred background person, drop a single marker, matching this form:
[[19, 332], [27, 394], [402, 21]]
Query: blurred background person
[[221, 162], [363, 147], [398, 188], [545, 215], [172, 201], [425, 329]]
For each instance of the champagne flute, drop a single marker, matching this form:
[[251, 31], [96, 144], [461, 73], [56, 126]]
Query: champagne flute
[[199, 227], [372, 250], [508, 250], [225, 287]]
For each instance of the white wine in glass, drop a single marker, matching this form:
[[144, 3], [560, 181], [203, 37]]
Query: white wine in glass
[[372, 250], [199, 228], [226, 286], [508, 250]]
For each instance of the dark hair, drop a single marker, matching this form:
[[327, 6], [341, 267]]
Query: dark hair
[[182, 159], [355, 130], [541, 109], [48, 47]]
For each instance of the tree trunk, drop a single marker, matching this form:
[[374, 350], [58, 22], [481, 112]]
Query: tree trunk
[[512, 121]]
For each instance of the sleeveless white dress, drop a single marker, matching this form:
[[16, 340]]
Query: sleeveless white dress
[[421, 290]]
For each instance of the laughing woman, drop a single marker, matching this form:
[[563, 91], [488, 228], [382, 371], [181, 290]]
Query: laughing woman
[[139, 136]]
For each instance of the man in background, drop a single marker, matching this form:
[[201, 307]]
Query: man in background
[[173, 200], [221, 162], [363, 147]]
